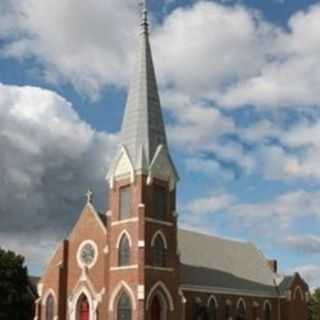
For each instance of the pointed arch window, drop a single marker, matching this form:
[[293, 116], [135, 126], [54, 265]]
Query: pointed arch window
[[159, 252], [267, 312], [125, 203], [241, 312], [124, 251], [124, 309], [212, 310], [50, 307]]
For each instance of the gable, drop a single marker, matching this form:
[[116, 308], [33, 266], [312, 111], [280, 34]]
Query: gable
[[162, 167], [89, 223]]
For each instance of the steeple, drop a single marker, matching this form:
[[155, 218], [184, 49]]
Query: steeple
[[142, 125], [143, 132]]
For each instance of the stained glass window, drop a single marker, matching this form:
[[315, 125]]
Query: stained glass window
[[124, 307], [212, 310], [267, 312], [49, 307], [125, 203], [159, 252], [124, 251]]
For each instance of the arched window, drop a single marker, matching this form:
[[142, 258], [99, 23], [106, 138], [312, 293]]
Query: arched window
[[125, 203], [212, 309], [159, 252], [241, 312], [124, 307], [83, 308], [298, 294], [49, 307], [124, 251], [267, 311]]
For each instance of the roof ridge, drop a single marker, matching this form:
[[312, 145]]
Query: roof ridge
[[225, 238]]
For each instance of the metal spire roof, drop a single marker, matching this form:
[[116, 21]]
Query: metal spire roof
[[143, 128]]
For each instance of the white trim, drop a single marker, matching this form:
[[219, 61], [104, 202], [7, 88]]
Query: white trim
[[112, 175], [109, 213], [40, 289], [244, 303], [267, 302], [165, 223], [115, 223], [295, 293], [159, 268], [124, 232], [162, 286], [141, 244], [159, 233], [130, 267], [141, 205], [122, 286], [218, 290], [46, 295], [96, 254], [213, 297], [141, 292], [74, 303]]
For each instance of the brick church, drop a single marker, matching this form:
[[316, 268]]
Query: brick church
[[134, 263]]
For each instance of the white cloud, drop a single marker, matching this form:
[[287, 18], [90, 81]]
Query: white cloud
[[244, 60], [213, 45], [281, 216], [210, 205], [305, 244], [87, 43], [49, 159]]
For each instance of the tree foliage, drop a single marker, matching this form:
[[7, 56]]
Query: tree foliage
[[314, 305], [16, 301]]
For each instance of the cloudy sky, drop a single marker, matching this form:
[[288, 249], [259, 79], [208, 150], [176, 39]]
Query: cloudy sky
[[240, 88]]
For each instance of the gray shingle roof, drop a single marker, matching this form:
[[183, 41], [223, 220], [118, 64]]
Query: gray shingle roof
[[285, 284], [143, 127], [209, 261]]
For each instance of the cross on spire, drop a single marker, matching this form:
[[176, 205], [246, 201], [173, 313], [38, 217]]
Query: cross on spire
[[89, 196], [144, 16]]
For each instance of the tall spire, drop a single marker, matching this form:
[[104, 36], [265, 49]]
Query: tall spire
[[143, 136], [143, 125]]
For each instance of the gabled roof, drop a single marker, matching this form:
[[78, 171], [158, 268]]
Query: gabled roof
[[209, 261], [285, 284]]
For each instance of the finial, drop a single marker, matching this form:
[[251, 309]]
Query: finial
[[144, 7], [89, 195]]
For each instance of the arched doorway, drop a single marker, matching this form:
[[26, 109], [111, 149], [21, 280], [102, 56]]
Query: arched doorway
[[83, 308], [159, 307], [156, 309]]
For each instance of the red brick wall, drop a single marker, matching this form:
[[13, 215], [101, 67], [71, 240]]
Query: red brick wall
[[254, 305]]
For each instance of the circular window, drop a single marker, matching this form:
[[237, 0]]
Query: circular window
[[87, 254]]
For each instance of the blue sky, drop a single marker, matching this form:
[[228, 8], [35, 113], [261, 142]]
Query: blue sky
[[239, 84]]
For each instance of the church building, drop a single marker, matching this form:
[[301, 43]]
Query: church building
[[134, 263]]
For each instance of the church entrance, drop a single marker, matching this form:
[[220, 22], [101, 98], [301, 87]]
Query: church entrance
[[83, 308], [156, 309]]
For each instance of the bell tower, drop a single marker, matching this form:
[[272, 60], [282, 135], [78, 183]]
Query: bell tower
[[143, 281]]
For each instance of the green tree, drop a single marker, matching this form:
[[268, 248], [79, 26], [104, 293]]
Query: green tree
[[314, 306], [16, 302]]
